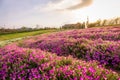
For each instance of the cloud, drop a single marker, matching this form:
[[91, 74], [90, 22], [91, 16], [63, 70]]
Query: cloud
[[56, 1], [82, 4], [57, 5], [62, 5]]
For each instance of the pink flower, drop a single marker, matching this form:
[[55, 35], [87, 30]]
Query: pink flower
[[81, 78]]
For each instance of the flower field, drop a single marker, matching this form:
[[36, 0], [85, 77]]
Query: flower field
[[85, 54]]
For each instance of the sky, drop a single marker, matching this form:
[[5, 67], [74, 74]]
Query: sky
[[55, 13]]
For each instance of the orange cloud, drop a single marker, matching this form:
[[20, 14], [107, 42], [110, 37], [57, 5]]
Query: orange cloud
[[82, 4]]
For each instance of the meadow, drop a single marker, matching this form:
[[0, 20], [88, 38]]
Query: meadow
[[16, 36], [79, 54], [23, 34]]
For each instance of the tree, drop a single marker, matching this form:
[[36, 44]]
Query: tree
[[104, 22]]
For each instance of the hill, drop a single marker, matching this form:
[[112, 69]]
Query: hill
[[85, 54]]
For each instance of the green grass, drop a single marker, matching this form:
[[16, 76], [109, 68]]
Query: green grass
[[24, 34]]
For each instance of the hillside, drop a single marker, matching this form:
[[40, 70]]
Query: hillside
[[80, 54]]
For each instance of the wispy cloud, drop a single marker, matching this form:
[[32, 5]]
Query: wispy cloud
[[62, 5], [82, 4]]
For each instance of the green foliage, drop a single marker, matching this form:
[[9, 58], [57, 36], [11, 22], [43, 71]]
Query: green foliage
[[20, 44], [78, 49], [32, 64], [111, 77], [63, 62], [42, 61]]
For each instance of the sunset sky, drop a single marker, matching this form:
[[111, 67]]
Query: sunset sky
[[17, 13]]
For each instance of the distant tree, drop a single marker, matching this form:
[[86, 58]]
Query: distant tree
[[98, 23], [23, 28], [104, 22], [77, 25], [111, 22], [116, 20]]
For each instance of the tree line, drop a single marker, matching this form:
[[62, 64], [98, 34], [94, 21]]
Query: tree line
[[98, 23], [22, 29]]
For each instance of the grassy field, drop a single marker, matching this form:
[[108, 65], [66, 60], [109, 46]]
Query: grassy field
[[23, 34]]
